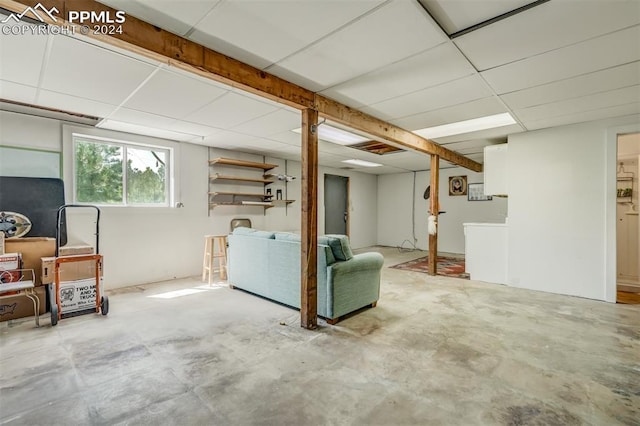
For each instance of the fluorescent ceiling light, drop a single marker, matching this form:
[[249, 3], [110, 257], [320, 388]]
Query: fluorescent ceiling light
[[335, 135], [467, 126], [362, 163]]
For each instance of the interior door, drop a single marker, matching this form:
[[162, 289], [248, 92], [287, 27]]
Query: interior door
[[336, 204]]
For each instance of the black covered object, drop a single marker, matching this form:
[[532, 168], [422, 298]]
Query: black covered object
[[39, 200]]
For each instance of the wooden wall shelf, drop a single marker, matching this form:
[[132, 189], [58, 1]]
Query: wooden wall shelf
[[239, 198], [241, 179], [242, 163]]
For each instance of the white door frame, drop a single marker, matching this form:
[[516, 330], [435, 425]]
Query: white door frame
[[611, 167]]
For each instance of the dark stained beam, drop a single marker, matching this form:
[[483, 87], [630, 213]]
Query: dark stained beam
[[434, 208], [309, 237]]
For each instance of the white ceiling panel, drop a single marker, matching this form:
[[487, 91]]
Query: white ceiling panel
[[603, 52], [237, 28], [173, 95], [192, 128], [137, 129], [435, 66], [587, 84], [497, 133], [288, 137], [596, 101], [474, 144], [520, 36], [456, 15], [141, 118], [17, 92], [228, 139], [22, 56], [616, 111], [393, 32], [474, 109], [456, 92], [276, 122], [84, 70], [74, 104], [230, 110], [177, 17]]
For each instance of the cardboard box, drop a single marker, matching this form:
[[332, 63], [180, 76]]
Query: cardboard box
[[1, 242], [78, 295], [75, 250], [20, 306], [32, 250], [69, 271], [9, 261]]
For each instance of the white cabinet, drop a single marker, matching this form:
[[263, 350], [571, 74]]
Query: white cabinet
[[486, 251], [495, 170]]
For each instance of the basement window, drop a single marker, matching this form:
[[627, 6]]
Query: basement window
[[118, 173]]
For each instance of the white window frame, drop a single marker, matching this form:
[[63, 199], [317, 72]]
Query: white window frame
[[124, 140]]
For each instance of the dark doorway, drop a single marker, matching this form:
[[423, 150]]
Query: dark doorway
[[336, 204]]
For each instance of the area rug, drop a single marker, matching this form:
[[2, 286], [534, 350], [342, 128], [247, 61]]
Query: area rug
[[447, 266]]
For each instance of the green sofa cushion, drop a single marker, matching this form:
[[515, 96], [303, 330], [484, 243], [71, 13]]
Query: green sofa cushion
[[287, 236], [339, 245], [253, 233]]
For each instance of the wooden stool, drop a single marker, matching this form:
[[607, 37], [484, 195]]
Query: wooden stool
[[210, 256]]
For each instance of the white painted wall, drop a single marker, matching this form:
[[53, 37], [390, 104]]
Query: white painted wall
[[144, 245], [562, 209], [396, 200]]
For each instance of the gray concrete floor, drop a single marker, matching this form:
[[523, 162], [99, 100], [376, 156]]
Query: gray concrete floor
[[435, 350]]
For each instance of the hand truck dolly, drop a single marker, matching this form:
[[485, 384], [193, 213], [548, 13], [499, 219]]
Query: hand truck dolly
[[101, 301]]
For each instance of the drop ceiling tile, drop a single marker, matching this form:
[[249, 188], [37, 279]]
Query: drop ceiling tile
[[137, 129], [173, 95], [17, 92], [237, 28], [459, 15], [276, 122], [192, 128], [474, 109], [427, 69], [177, 17], [22, 56], [140, 118], [288, 137], [599, 81], [393, 32], [603, 52], [565, 22], [455, 92], [87, 71], [498, 133], [474, 144], [74, 104], [229, 111], [228, 139], [596, 101], [600, 114]]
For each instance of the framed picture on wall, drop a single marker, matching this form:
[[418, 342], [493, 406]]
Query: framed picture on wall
[[476, 193], [458, 185]]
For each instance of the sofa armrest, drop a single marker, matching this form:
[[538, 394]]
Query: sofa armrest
[[353, 284], [359, 262]]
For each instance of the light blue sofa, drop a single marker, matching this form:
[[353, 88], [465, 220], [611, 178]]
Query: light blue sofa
[[268, 264]]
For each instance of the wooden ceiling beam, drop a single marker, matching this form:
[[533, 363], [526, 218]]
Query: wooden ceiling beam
[[359, 120], [150, 41]]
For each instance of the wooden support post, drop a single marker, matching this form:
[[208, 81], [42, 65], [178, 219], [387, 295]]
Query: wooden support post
[[309, 258], [434, 209]]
